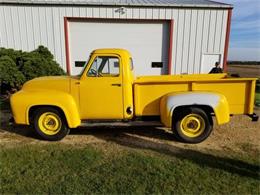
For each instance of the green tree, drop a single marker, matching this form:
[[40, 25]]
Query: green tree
[[18, 66], [10, 76]]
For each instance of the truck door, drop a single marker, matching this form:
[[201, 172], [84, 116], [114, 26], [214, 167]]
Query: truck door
[[101, 89]]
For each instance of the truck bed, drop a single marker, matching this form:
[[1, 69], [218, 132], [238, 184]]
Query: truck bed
[[148, 91]]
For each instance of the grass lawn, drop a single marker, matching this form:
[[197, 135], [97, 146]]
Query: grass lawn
[[62, 169]]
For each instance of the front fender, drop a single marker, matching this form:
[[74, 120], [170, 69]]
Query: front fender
[[22, 101], [216, 101]]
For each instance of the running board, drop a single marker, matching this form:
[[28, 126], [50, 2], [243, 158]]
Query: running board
[[122, 124]]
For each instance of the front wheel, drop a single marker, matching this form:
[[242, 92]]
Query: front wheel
[[192, 125], [50, 124]]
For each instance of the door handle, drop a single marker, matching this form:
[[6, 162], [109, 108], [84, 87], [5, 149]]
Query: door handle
[[116, 84]]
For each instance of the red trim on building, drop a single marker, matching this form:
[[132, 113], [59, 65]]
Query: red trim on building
[[76, 18], [227, 40], [67, 45], [170, 47], [66, 30]]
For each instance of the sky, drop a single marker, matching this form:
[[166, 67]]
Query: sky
[[245, 30]]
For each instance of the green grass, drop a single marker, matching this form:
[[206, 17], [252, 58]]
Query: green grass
[[60, 169]]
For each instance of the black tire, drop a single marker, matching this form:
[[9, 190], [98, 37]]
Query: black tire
[[57, 118], [192, 124]]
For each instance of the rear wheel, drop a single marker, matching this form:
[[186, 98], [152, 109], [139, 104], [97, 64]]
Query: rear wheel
[[192, 125], [50, 124]]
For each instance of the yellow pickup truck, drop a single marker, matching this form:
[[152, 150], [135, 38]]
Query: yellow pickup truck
[[107, 92]]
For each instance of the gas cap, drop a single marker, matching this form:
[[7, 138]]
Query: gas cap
[[129, 110]]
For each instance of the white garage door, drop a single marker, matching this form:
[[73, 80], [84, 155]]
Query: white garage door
[[148, 43]]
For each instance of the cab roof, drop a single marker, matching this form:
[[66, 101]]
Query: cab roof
[[111, 51]]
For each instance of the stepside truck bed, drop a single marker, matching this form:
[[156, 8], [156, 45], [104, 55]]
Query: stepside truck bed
[[148, 90]]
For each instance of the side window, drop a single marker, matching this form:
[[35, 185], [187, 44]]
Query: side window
[[104, 66]]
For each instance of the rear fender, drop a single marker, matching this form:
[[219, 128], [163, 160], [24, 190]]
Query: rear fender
[[216, 101]]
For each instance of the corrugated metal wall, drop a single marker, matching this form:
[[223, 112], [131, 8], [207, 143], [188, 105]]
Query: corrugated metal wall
[[195, 31]]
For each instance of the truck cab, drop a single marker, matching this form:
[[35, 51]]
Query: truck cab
[[104, 89]]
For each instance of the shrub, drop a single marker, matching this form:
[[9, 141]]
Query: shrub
[[44, 52], [10, 76], [39, 63], [13, 54], [18, 66]]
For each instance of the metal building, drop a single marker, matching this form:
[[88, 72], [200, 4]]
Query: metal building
[[164, 36]]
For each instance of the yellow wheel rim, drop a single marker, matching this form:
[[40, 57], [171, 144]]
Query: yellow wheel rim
[[192, 125], [49, 123]]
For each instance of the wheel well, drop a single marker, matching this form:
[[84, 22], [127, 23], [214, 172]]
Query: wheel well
[[34, 108], [206, 108]]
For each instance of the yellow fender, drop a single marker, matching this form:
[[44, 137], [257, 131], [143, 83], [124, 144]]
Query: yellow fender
[[216, 101], [23, 101]]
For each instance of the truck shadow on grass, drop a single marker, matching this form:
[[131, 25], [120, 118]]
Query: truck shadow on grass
[[104, 133], [111, 133], [5, 126], [130, 137], [24, 131]]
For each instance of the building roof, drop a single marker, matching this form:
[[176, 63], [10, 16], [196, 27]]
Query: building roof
[[139, 3]]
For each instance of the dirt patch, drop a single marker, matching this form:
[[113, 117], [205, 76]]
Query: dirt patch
[[240, 135], [245, 70]]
